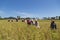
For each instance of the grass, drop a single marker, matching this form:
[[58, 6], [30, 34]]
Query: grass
[[20, 31]]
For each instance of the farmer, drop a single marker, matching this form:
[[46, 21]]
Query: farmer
[[31, 21], [8, 20], [53, 25], [23, 20], [28, 21], [11, 20], [16, 20], [37, 24]]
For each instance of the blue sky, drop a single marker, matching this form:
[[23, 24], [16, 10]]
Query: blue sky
[[30, 8]]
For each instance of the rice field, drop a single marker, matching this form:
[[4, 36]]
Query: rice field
[[20, 31]]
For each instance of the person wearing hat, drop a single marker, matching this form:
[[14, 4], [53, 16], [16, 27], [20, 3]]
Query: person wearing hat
[[37, 24]]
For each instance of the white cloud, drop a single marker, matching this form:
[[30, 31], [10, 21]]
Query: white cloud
[[24, 14], [17, 13]]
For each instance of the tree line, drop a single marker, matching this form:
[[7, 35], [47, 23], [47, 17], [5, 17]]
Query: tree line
[[49, 18]]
